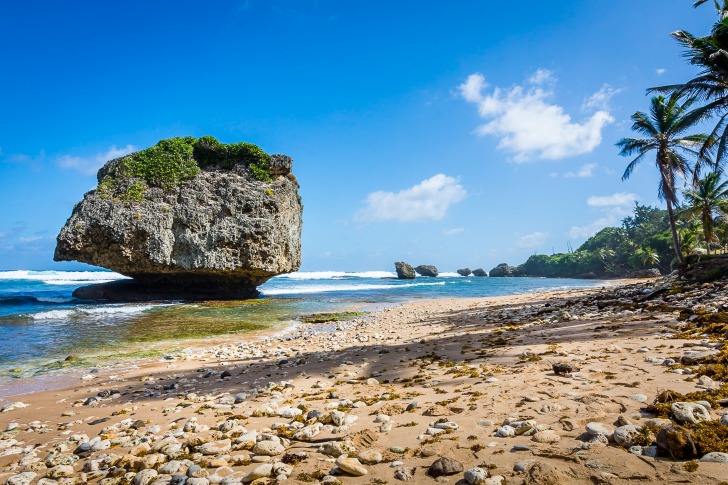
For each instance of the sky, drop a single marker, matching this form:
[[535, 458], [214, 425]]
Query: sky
[[457, 134]]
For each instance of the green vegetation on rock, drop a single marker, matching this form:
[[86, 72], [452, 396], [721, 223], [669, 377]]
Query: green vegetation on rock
[[173, 161]]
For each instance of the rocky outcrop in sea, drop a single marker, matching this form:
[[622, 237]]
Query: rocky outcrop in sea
[[404, 271], [503, 270], [464, 272], [188, 219], [427, 270]]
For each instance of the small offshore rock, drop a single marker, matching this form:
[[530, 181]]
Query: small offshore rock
[[444, 466]]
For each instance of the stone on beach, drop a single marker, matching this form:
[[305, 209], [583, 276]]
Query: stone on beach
[[351, 466]]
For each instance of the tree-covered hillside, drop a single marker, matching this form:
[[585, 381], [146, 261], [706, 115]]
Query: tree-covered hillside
[[643, 241]]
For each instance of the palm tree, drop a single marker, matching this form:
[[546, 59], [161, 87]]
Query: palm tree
[[648, 256], [710, 87], [708, 201], [663, 129]]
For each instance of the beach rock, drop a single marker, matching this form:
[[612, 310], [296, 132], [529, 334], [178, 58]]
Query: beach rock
[[546, 436], [370, 457], [480, 272], [216, 447], [715, 457], [404, 474], [351, 466], [676, 442], [595, 429], [426, 270], [464, 272], [404, 271], [261, 471], [145, 477], [502, 270], [689, 412], [21, 478], [625, 435], [724, 420], [217, 235], [475, 476], [269, 448], [13, 406], [564, 368], [444, 466], [645, 273], [60, 471], [505, 431], [337, 448]]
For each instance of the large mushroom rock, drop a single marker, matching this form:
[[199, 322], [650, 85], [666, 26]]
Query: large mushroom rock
[[426, 270], [188, 219], [479, 272], [502, 270], [464, 272], [404, 271]]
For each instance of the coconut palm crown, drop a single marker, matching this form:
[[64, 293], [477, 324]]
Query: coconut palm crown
[[664, 131], [707, 202]]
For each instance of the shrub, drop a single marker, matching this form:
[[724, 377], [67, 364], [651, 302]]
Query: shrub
[[175, 160]]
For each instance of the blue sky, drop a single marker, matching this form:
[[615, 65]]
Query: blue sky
[[458, 134]]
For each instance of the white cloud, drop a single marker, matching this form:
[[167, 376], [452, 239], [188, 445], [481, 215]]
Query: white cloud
[[532, 240], [660, 71], [428, 200], [584, 172], [527, 124], [542, 76], [29, 239], [453, 231], [600, 99], [618, 199], [90, 165], [614, 208]]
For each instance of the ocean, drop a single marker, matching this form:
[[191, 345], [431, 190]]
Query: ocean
[[41, 324]]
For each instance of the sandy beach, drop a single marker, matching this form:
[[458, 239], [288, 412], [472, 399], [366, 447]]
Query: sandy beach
[[467, 383]]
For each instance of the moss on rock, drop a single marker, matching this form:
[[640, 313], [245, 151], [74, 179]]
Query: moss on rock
[[173, 161]]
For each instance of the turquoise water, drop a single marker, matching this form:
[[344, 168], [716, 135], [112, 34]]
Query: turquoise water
[[41, 323]]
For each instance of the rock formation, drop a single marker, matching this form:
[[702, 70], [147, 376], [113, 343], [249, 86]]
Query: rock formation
[[426, 270], [464, 272], [188, 219], [502, 270], [404, 271], [479, 272]]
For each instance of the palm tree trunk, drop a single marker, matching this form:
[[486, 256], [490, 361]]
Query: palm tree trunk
[[673, 229]]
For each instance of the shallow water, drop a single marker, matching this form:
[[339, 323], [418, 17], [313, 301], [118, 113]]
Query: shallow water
[[41, 324]]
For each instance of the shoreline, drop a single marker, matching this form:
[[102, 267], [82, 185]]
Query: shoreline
[[67, 375], [472, 362]]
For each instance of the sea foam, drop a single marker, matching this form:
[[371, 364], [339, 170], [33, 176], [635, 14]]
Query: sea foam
[[62, 277], [310, 289]]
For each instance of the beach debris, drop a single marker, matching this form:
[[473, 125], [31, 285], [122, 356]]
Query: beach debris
[[12, 406]]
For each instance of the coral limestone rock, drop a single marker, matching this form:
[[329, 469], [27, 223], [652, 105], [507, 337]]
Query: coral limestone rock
[[188, 218]]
